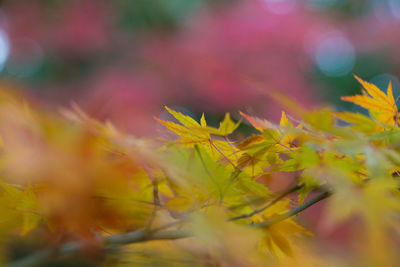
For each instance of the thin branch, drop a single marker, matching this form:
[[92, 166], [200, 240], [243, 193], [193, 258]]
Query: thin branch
[[156, 196], [35, 259], [284, 194], [293, 212], [168, 225], [257, 200], [169, 235], [397, 112], [141, 235], [157, 203]]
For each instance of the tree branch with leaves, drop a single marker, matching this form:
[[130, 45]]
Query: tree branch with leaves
[[199, 198]]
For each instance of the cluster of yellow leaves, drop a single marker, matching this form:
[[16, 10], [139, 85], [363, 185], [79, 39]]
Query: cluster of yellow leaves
[[73, 177], [337, 158], [192, 133]]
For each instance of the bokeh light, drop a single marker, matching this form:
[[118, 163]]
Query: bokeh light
[[394, 6], [25, 58], [335, 54], [4, 48]]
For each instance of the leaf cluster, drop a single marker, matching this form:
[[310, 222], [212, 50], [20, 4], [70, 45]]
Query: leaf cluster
[[201, 199]]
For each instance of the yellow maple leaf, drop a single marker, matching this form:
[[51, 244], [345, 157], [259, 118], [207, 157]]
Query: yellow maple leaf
[[259, 124], [380, 105], [192, 134], [278, 133], [190, 128], [278, 238]]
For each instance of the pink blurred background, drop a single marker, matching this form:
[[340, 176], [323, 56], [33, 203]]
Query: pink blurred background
[[123, 60]]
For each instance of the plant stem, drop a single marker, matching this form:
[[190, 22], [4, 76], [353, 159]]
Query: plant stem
[[294, 211], [143, 235], [157, 203], [284, 194]]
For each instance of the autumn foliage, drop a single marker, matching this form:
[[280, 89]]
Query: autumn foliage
[[205, 198]]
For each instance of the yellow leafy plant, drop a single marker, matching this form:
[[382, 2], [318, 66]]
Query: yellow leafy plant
[[204, 198]]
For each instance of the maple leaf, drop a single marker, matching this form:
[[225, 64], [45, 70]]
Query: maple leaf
[[274, 140], [189, 130], [278, 237], [259, 124], [359, 122], [260, 151], [192, 133], [226, 127], [280, 134], [380, 105]]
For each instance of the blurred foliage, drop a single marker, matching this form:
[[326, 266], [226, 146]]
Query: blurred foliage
[[78, 192]]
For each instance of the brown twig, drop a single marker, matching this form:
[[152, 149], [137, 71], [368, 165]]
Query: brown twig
[[284, 194], [294, 211]]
